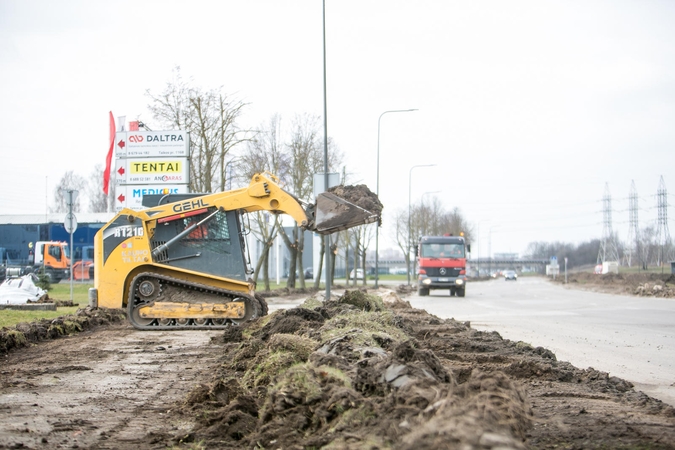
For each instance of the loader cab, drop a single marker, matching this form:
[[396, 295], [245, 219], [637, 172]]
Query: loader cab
[[215, 247]]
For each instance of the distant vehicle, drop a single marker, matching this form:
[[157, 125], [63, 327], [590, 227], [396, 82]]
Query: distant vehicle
[[510, 275], [309, 273], [598, 269], [442, 264], [358, 275], [398, 271]]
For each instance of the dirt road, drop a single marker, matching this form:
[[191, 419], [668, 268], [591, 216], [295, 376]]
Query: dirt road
[[111, 388], [355, 372]]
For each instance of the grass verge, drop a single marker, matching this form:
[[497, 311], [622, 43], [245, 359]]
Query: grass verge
[[60, 291]]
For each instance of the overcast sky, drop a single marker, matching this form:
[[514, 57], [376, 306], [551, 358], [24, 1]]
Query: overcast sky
[[527, 108]]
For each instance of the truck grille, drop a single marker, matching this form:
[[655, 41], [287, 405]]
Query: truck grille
[[436, 271]]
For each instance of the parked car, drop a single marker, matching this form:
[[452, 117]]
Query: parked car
[[309, 273], [358, 275], [510, 275]]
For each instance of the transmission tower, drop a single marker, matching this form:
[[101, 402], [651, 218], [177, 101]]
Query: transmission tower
[[633, 241], [608, 248], [662, 233]]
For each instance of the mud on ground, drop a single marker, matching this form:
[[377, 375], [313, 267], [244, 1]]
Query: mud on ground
[[361, 371]]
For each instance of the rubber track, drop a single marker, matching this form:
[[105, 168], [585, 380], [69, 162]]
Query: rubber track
[[258, 301]]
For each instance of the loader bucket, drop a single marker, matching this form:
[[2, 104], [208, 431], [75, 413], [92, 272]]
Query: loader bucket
[[335, 214]]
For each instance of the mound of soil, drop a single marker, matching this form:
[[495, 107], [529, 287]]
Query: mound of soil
[[359, 195], [25, 334], [366, 371], [640, 284]]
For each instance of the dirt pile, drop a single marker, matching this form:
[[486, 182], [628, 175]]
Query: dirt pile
[[366, 371], [640, 284], [25, 334], [360, 195]]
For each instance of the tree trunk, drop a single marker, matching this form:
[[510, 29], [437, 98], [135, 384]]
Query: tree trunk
[[333, 254], [363, 264], [293, 251], [300, 240], [322, 254]]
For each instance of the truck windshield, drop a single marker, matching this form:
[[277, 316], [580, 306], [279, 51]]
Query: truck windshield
[[442, 251]]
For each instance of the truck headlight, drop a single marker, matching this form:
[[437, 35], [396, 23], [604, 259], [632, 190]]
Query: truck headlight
[[426, 281], [459, 282]]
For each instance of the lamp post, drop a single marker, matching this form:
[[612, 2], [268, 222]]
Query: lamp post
[[377, 191], [409, 217]]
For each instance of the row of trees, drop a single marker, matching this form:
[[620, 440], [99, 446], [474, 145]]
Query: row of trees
[[647, 250]]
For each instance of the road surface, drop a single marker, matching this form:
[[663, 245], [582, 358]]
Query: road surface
[[629, 337]]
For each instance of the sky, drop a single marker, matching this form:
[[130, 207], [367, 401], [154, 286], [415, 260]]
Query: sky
[[528, 110]]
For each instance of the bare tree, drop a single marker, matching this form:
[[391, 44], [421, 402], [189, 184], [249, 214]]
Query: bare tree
[[305, 152], [98, 200], [211, 119], [648, 249], [69, 181], [266, 233], [265, 153]]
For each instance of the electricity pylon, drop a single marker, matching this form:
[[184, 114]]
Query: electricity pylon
[[662, 233], [608, 248], [633, 241]]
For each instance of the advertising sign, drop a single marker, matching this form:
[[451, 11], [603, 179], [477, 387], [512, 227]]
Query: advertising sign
[[152, 171], [151, 144], [131, 196]]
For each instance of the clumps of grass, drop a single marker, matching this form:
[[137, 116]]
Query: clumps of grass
[[302, 385], [300, 346], [363, 301], [283, 351], [311, 303], [10, 339], [365, 329]]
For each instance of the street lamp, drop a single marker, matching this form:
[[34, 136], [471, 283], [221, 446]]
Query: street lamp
[[409, 220], [377, 191]]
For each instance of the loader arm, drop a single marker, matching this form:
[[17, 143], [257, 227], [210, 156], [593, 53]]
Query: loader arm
[[264, 194]]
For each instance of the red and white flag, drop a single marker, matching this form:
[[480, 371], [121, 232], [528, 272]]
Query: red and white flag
[[108, 158]]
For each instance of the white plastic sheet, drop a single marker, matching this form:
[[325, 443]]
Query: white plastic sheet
[[21, 290]]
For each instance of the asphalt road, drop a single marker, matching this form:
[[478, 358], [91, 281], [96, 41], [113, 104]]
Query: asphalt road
[[630, 337]]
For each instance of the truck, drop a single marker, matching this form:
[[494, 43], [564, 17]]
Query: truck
[[184, 264], [52, 258], [83, 266], [441, 262]]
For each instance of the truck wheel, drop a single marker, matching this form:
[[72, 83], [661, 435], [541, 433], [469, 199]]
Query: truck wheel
[[423, 292], [461, 292]]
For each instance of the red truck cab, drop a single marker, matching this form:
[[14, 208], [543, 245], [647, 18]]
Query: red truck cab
[[441, 262]]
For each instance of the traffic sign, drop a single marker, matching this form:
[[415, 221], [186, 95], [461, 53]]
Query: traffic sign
[[70, 223]]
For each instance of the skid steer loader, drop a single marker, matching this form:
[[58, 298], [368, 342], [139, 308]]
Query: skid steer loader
[[183, 264]]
